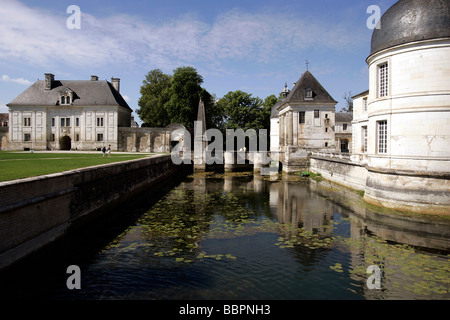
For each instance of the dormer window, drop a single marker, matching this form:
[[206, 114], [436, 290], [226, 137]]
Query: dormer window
[[66, 97], [308, 94]]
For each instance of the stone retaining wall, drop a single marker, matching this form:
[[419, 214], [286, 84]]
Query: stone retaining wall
[[36, 211]]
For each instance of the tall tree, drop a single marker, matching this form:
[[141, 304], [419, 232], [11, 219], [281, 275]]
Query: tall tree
[[154, 95], [185, 93]]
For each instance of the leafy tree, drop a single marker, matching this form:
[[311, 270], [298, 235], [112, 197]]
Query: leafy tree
[[154, 95], [241, 110], [266, 112], [185, 93]]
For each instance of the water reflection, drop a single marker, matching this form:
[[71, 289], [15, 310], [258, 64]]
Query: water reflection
[[240, 236]]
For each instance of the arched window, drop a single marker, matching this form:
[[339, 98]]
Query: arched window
[[67, 100], [63, 100]]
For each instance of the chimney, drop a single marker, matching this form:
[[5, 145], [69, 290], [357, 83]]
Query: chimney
[[94, 78], [49, 78], [116, 83]]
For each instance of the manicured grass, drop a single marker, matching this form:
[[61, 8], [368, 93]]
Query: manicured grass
[[23, 165]]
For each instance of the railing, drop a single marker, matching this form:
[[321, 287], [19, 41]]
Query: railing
[[332, 155]]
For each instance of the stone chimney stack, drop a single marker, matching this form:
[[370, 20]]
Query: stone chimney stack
[[116, 83], [49, 78], [94, 78]]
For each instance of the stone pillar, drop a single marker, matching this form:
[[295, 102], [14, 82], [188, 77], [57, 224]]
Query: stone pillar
[[282, 130], [228, 161], [257, 161], [200, 142], [290, 129], [133, 148]]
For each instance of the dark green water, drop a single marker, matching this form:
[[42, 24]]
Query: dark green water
[[231, 236]]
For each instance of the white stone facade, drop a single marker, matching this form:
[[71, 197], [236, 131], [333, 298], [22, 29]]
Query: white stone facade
[[401, 132], [68, 115]]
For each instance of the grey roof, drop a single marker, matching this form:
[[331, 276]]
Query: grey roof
[[86, 93], [274, 113], [344, 117], [307, 80], [412, 20], [297, 94]]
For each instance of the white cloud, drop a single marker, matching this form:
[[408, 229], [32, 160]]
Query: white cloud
[[41, 37], [6, 78]]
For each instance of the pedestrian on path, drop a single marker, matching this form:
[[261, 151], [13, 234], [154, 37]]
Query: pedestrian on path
[[103, 150], [109, 151]]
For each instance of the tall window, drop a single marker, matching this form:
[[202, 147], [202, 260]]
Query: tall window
[[27, 122], [100, 137], [382, 136], [77, 122], [65, 122], [53, 122], [383, 79], [99, 122], [301, 117], [27, 137], [364, 139], [344, 126], [316, 114]]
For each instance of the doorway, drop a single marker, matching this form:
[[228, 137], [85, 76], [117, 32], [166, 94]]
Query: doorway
[[65, 143]]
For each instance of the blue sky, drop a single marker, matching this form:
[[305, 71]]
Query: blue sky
[[250, 45]]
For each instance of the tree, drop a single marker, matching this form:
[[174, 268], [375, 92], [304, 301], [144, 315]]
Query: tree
[[185, 93], [269, 102], [167, 99], [348, 102], [241, 110], [154, 95]]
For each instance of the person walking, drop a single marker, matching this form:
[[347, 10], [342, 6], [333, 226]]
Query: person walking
[[103, 151], [109, 151]]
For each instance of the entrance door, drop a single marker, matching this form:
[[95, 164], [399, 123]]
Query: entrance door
[[344, 145], [65, 143]]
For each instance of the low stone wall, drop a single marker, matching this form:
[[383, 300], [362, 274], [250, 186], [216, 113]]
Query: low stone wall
[[339, 169], [36, 211]]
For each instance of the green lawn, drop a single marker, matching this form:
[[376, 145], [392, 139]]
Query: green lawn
[[25, 164]]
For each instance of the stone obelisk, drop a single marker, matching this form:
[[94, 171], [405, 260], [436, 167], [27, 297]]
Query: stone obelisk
[[200, 142]]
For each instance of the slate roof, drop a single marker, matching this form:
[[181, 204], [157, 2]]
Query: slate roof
[[344, 117], [412, 20], [297, 94], [307, 80], [86, 93]]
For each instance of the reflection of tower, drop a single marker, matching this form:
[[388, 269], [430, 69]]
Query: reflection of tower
[[200, 142]]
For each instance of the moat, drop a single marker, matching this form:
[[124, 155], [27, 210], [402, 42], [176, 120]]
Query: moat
[[239, 236]]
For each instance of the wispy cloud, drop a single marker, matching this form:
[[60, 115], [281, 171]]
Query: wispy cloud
[[6, 78], [38, 36]]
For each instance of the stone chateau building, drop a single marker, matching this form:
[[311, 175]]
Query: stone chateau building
[[400, 149], [78, 115], [305, 120], [401, 125]]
